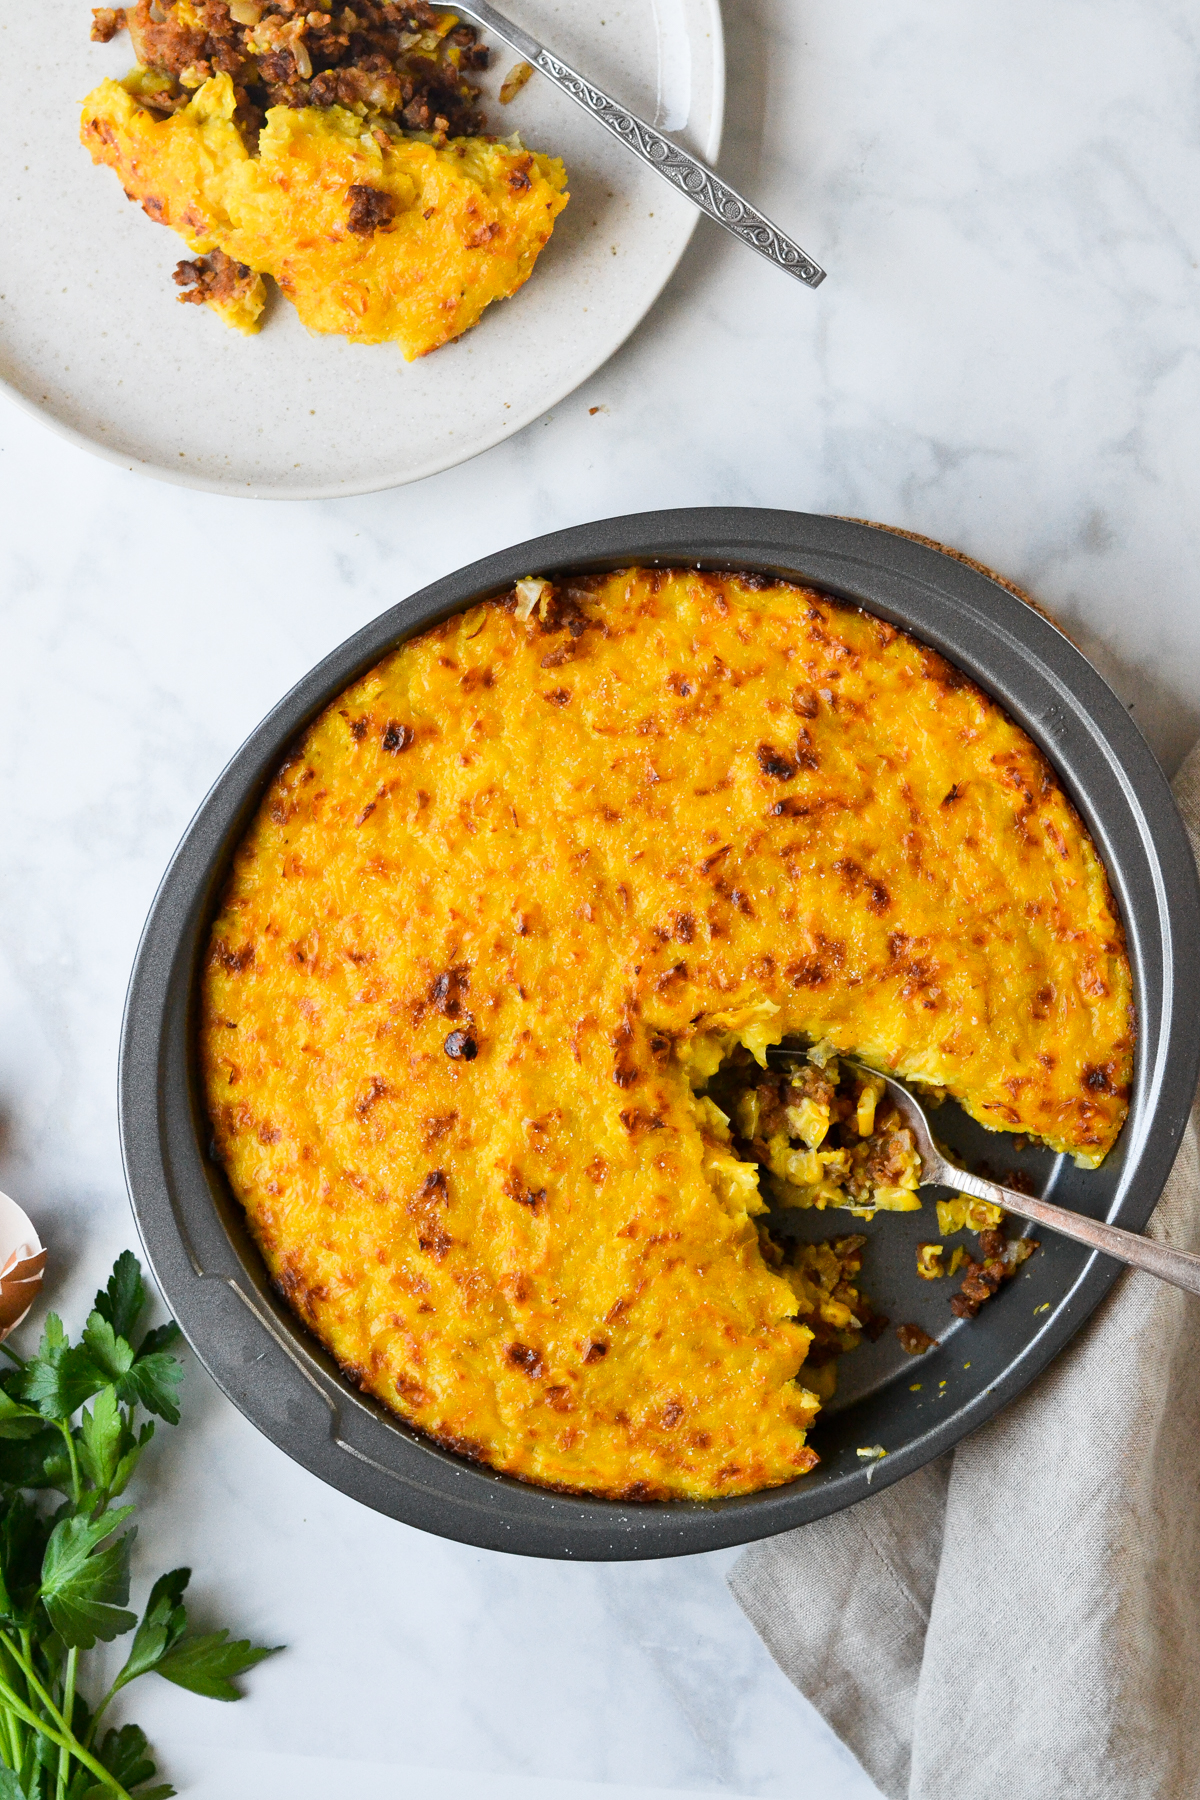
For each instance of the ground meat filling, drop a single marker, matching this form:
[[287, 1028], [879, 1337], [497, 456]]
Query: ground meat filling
[[106, 22], [1000, 1258], [391, 61], [826, 1136], [824, 1280], [915, 1339], [216, 278], [370, 209]]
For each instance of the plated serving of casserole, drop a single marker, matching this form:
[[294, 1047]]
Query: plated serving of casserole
[[487, 1002], [344, 193], [342, 153]]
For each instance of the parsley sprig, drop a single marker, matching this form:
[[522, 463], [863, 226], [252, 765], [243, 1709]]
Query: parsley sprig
[[69, 1425]]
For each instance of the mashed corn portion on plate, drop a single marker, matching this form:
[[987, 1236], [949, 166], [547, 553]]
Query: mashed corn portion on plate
[[506, 910], [372, 236]]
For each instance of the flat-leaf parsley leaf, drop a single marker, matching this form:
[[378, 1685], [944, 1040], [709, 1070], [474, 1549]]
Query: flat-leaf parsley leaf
[[64, 1573]]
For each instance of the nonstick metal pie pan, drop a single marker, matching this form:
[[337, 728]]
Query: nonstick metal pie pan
[[254, 1347]]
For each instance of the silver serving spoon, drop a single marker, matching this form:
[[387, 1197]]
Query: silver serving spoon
[[1179, 1267], [686, 174]]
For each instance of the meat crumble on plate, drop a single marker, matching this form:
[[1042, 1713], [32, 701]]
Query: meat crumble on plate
[[489, 993], [342, 154]]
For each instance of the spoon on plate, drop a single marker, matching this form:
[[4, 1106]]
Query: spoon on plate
[[1179, 1267], [686, 174]]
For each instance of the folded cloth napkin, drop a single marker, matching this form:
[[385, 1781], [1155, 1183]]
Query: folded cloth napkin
[[1021, 1619]]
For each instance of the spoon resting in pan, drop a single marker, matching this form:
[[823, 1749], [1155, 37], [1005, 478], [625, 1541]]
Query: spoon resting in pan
[[1179, 1267]]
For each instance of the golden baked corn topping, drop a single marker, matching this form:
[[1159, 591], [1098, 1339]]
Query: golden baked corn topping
[[501, 916], [373, 236]]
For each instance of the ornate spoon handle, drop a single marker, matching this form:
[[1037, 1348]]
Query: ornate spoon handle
[[1180, 1267], [687, 174]]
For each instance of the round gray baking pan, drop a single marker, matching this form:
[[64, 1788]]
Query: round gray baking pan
[[259, 1353]]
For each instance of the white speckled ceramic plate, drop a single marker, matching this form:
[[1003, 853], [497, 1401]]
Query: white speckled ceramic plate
[[93, 340]]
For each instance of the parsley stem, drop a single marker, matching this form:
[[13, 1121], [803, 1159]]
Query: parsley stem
[[11, 1724], [65, 1742], [10, 1352], [76, 1483], [64, 1756], [103, 1707], [13, 1749], [24, 1661]]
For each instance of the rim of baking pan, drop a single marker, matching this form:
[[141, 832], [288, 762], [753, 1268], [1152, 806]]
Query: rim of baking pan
[[193, 1231]]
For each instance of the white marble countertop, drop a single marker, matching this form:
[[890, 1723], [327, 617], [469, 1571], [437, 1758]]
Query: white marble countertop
[[1005, 357]]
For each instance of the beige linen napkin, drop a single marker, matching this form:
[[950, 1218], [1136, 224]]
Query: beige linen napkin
[[1021, 1620]]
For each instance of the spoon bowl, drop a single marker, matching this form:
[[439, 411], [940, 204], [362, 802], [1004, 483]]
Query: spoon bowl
[[1180, 1267]]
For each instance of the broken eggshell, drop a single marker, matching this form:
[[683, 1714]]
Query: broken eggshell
[[22, 1260]]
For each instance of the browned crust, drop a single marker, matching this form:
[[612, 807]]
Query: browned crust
[[1018, 593]]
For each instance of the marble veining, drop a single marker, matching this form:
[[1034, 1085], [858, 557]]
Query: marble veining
[[1005, 357]]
